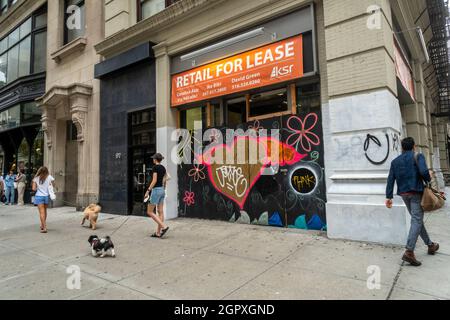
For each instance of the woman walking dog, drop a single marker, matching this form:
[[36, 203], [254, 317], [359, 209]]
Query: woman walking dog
[[158, 194], [42, 185]]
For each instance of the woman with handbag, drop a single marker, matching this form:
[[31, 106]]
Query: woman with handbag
[[10, 188], [158, 194], [410, 170], [21, 182], [43, 184]]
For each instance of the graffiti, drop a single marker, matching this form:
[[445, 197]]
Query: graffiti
[[348, 151], [370, 138], [215, 136], [301, 134], [315, 223], [197, 173], [283, 182], [395, 142], [315, 156], [233, 179], [303, 181], [189, 198], [256, 126]]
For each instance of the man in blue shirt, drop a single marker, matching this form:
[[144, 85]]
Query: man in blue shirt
[[409, 170], [9, 188]]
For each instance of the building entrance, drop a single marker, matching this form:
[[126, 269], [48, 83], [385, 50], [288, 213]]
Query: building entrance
[[142, 146]]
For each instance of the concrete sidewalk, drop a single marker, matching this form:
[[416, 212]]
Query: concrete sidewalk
[[207, 260]]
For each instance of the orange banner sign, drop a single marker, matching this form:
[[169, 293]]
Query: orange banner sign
[[271, 64]]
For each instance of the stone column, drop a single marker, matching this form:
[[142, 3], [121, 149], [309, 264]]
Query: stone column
[[364, 122], [79, 112], [48, 120], [166, 124], [55, 144]]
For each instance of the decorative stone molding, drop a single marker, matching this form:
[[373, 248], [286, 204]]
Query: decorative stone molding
[[76, 45], [58, 94], [48, 122], [24, 89], [133, 35], [78, 110], [160, 49], [76, 98]]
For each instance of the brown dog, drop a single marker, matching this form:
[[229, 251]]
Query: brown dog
[[91, 213]]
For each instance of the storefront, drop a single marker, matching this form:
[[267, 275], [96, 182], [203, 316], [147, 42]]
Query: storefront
[[22, 80], [127, 129], [22, 141], [263, 98]]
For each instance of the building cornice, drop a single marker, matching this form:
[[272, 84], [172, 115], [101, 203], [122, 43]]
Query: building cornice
[[14, 14], [152, 29], [137, 33], [54, 95]]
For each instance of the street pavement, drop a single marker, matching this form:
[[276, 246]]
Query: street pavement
[[201, 259]]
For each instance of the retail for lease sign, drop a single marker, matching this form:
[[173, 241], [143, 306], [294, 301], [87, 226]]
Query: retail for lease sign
[[271, 64]]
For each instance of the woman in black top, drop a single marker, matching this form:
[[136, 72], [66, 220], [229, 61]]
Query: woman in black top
[[158, 194]]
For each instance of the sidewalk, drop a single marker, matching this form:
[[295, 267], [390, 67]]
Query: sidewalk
[[207, 260]]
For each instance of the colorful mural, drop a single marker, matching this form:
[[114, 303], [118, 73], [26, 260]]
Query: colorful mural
[[282, 186]]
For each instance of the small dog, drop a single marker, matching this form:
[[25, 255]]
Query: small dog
[[91, 213], [101, 246]]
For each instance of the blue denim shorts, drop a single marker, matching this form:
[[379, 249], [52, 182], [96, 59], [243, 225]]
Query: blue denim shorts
[[157, 196], [41, 200]]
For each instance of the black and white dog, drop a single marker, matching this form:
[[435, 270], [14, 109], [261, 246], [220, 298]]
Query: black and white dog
[[100, 246]]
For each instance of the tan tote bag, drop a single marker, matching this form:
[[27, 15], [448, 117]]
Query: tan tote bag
[[432, 199]]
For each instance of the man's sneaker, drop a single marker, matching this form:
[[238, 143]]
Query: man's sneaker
[[433, 248], [411, 258]]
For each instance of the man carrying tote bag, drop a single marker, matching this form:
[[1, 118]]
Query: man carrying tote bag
[[432, 198], [408, 175]]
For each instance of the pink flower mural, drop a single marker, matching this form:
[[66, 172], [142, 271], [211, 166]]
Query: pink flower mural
[[189, 198], [197, 172], [301, 132]]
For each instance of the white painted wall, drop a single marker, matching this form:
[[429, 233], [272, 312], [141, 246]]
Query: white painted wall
[[355, 186]]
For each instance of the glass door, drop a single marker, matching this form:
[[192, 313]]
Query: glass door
[[141, 148]]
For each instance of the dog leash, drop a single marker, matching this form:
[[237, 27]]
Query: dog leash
[[120, 225]]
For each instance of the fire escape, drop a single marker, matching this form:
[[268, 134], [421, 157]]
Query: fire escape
[[438, 48]]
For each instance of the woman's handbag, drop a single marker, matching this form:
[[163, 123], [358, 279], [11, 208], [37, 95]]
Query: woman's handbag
[[16, 185], [432, 199], [51, 192]]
